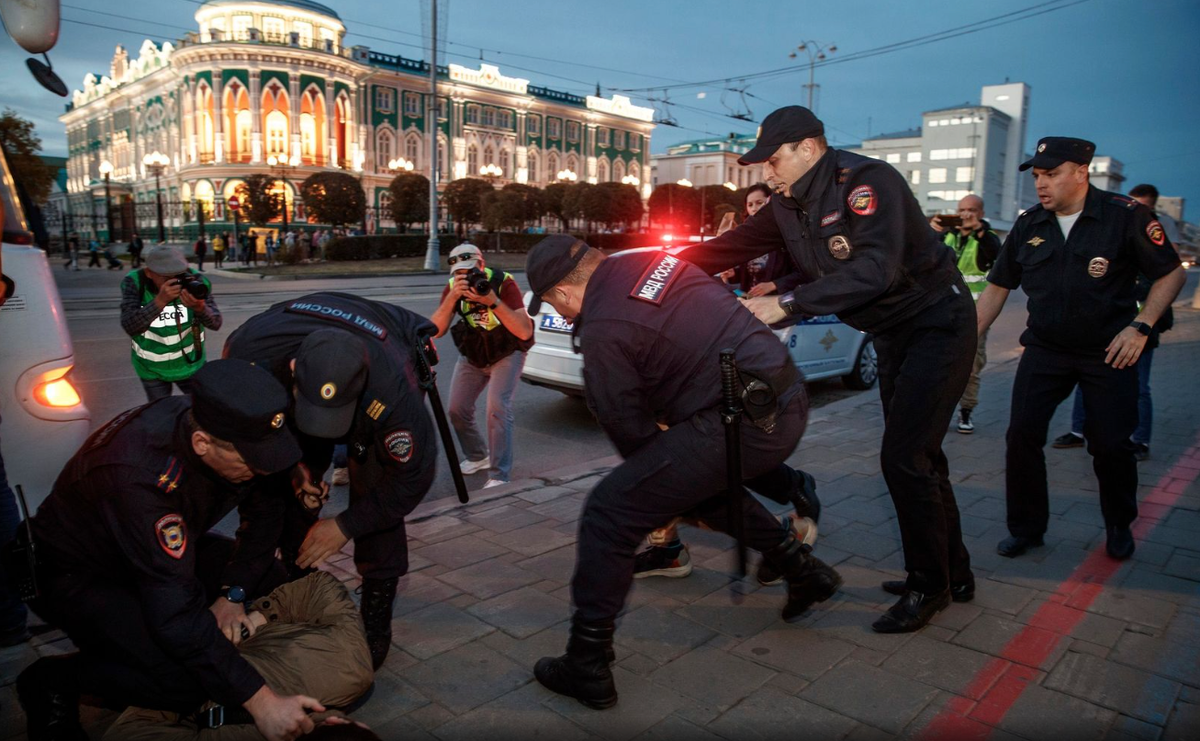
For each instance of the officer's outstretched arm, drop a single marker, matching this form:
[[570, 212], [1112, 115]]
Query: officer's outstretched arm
[[991, 301]]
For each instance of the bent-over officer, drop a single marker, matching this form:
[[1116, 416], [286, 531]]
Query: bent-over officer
[[866, 253], [126, 570], [349, 363], [1077, 255], [647, 360]]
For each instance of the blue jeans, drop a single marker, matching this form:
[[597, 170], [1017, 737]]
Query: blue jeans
[[501, 380], [156, 390], [12, 610], [1141, 435]]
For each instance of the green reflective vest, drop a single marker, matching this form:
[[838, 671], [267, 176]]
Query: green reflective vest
[[172, 349], [967, 250]]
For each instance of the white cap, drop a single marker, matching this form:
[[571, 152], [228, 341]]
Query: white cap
[[465, 256]]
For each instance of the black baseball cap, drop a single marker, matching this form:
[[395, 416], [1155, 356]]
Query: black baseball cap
[[1052, 151], [549, 262], [242, 404], [789, 124], [331, 373]]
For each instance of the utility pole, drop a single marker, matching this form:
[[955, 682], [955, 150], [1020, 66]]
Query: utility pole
[[432, 250], [816, 51]]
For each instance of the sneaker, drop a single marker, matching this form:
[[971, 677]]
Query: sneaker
[[661, 561], [806, 532], [494, 482], [341, 476], [1069, 440], [965, 425], [470, 467], [1141, 451]]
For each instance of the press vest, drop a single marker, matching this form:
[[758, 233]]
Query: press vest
[[172, 349], [968, 252], [480, 336]]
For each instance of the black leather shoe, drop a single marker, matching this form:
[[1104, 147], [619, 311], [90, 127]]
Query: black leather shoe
[[583, 671], [809, 579], [958, 592], [46, 690], [804, 499], [912, 612], [1120, 543], [1015, 545], [378, 598]]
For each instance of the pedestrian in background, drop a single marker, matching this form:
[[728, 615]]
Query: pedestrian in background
[[71, 252], [93, 253], [136, 245], [270, 249], [218, 250]]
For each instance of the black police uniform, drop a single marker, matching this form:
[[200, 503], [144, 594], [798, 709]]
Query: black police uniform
[[125, 568], [1081, 294], [392, 444], [864, 251], [647, 358]]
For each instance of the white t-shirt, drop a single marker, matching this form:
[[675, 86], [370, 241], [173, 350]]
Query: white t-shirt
[[1066, 222]]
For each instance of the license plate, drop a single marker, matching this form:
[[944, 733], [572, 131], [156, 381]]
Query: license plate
[[555, 323]]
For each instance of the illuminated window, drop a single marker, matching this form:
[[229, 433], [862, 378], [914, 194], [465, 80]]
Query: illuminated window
[[914, 156], [308, 135], [551, 165], [533, 125], [915, 177], [383, 149], [272, 28], [533, 167], [489, 156], [937, 174], [277, 133], [605, 137], [964, 174], [572, 131], [217, 29], [893, 158], [553, 128], [618, 171], [635, 171], [241, 27], [472, 161], [619, 139], [204, 194], [412, 149], [305, 30], [328, 34], [602, 171]]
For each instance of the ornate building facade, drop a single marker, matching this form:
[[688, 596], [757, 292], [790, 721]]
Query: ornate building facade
[[268, 86]]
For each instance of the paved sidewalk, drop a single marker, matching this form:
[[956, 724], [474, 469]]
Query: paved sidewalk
[[1063, 643]]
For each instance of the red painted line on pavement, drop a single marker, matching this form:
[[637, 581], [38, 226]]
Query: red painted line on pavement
[[993, 691]]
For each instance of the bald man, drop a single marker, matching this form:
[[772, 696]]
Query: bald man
[[976, 246]]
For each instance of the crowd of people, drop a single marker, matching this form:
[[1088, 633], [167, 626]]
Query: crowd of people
[[191, 631]]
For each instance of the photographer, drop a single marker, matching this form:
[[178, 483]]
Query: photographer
[[492, 334], [165, 307]]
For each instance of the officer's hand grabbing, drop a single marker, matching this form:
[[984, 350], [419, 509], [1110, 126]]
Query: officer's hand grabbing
[[766, 308], [1126, 348], [312, 494], [323, 540], [282, 718], [231, 619], [168, 292]]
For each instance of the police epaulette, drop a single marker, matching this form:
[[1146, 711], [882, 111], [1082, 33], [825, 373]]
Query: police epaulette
[[843, 175], [1125, 201], [101, 437]]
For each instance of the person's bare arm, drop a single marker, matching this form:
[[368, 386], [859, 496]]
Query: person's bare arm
[[988, 307]]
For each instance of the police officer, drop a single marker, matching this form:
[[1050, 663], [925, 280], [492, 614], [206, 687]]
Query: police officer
[[124, 561], [647, 360], [866, 253], [1077, 255], [350, 364]]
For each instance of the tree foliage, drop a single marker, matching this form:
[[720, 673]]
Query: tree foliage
[[554, 197], [716, 197], [612, 204], [260, 202], [464, 199], [21, 145], [334, 198], [532, 205], [575, 200], [503, 210], [410, 198], [675, 206]]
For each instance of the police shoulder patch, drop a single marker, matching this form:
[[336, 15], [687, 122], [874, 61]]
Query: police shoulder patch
[[653, 284], [1124, 201], [862, 200], [400, 445], [172, 535], [1156, 234]]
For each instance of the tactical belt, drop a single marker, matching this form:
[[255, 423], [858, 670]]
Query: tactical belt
[[219, 715], [761, 394]]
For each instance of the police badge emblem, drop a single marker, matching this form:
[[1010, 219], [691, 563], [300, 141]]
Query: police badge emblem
[[1041, 147], [172, 535], [1097, 267], [399, 445], [839, 247]]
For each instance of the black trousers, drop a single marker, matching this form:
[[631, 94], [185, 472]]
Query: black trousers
[[119, 659], [924, 365], [1044, 379], [680, 472]]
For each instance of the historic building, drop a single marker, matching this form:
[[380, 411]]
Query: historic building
[[268, 86]]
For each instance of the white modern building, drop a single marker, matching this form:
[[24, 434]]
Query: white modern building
[[706, 162]]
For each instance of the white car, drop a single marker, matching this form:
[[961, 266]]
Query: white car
[[821, 347], [42, 419]]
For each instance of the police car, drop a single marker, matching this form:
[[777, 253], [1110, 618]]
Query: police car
[[42, 419], [821, 347]]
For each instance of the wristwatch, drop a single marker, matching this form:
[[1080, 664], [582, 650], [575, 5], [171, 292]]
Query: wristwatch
[[1142, 327], [787, 302], [236, 595]]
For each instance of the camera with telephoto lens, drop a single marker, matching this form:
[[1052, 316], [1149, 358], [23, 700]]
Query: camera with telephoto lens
[[478, 282], [193, 284]]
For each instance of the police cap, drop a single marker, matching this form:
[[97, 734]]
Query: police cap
[[331, 373], [1052, 151], [237, 402], [789, 124], [549, 262]]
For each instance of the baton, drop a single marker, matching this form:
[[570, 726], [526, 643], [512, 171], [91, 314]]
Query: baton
[[427, 380], [731, 418]]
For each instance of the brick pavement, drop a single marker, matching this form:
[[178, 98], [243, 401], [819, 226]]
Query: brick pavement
[[1061, 643]]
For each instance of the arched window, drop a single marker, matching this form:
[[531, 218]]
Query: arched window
[[552, 166], [308, 136], [277, 134], [618, 170], [412, 150], [245, 124], [312, 127], [533, 167], [489, 157], [635, 171], [505, 163], [205, 123], [472, 161], [204, 194], [602, 171], [573, 164], [383, 149], [443, 160]]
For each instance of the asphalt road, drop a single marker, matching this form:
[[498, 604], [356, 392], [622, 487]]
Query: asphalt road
[[552, 430]]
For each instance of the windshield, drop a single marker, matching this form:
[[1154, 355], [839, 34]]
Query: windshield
[[16, 229]]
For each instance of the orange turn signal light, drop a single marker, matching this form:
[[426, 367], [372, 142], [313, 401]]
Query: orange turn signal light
[[57, 393]]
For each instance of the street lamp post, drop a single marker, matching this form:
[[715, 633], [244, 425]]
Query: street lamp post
[[156, 162], [283, 164], [491, 171], [566, 176], [816, 51], [106, 169]]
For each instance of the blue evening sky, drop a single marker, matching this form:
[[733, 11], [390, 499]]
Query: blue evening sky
[[1123, 73]]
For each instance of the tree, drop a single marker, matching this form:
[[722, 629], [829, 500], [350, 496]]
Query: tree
[[503, 210], [410, 198], [575, 202], [334, 198], [21, 146], [675, 206], [613, 204], [716, 196], [532, 205], [554, 196], [260, 201], [463, 199]]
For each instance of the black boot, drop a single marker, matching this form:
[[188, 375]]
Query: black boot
[[804, 497], [809, 579], [583, 671], [378, 597], [50, 697]]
